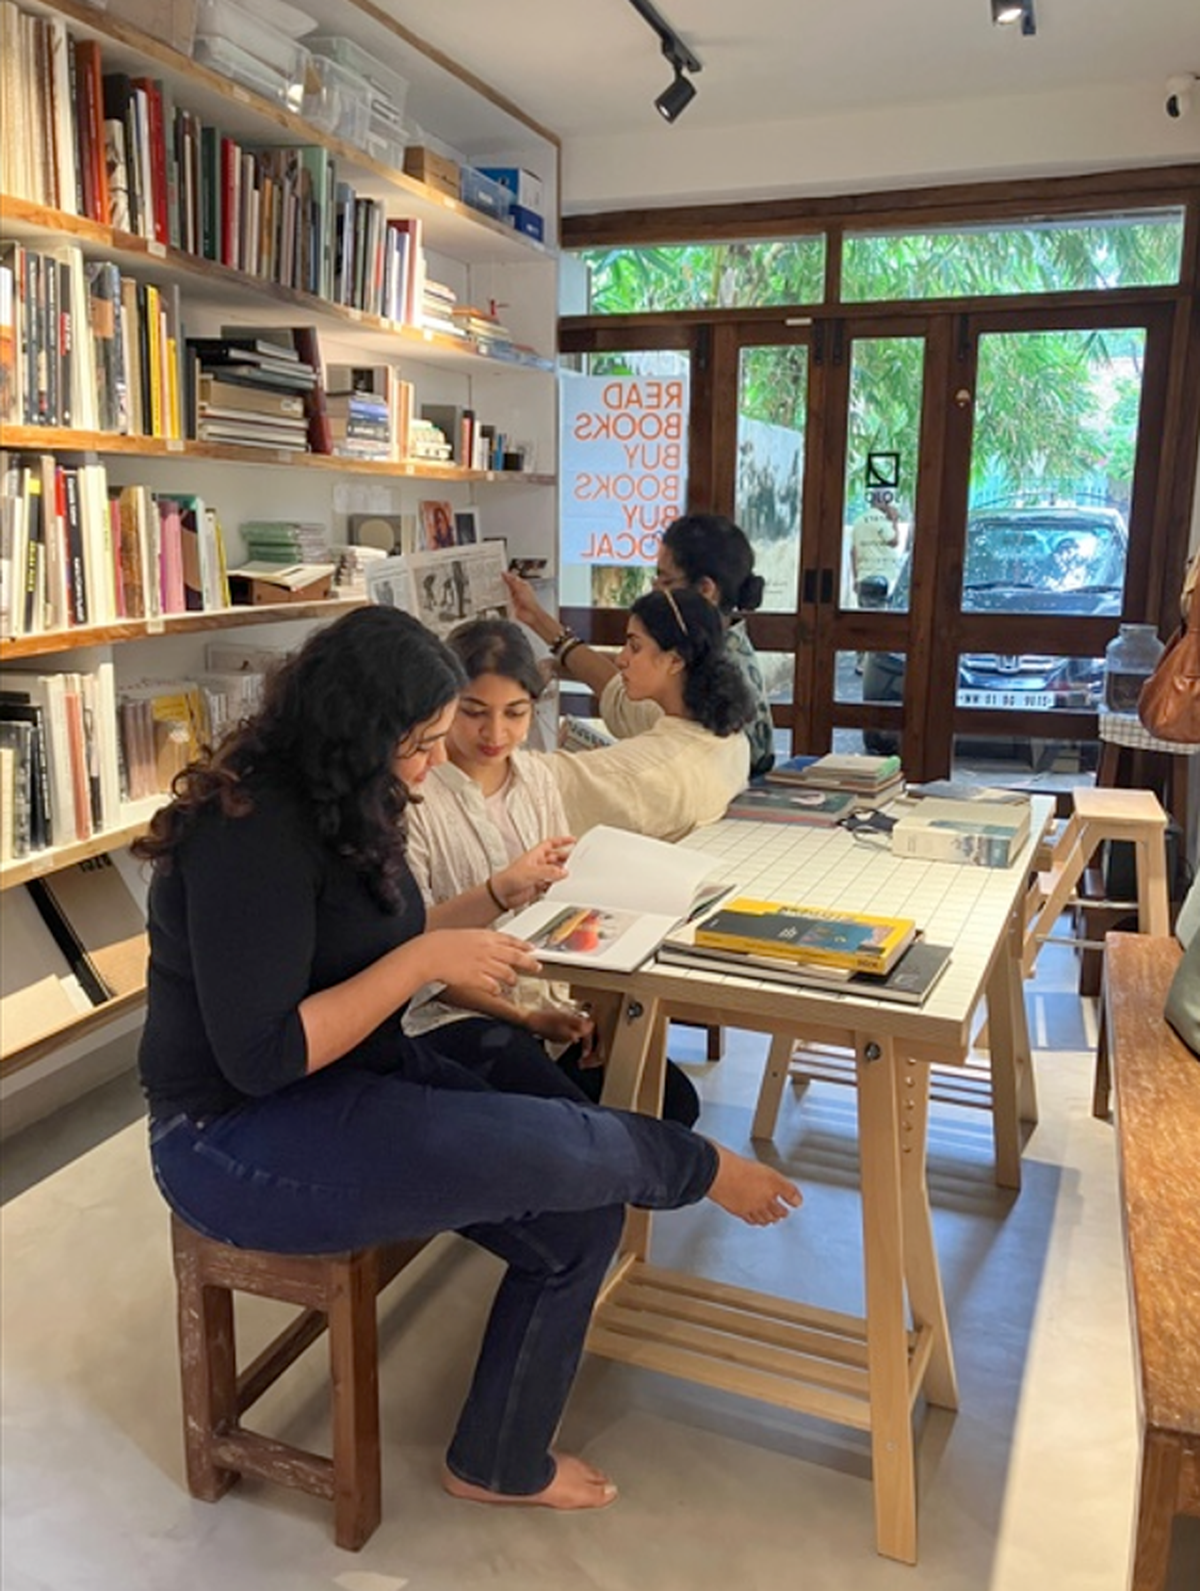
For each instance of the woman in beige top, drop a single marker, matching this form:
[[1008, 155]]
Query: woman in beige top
[[685, 769]]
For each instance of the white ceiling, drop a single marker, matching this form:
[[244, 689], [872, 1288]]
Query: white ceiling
[[585, 68]]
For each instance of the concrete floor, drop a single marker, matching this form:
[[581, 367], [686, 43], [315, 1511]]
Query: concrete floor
[[1030, 1487]]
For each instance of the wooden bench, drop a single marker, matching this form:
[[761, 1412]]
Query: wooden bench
[[1157, 1085], [335, 1292]]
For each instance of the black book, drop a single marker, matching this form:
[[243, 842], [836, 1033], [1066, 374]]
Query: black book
[[908, 983], [242, 350], [24, 714], [92, 983], [17, 738]]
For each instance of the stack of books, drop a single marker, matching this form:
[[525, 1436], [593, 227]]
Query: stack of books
[[491, 335], [981, 833], [286, 541], [437, 309], [768, 803], [251, 392], [810, 947], [872, 781]]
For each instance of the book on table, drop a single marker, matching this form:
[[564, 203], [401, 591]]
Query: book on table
[[907, 983], [767, 804], [623, 893], [812, 935], [839, 771], [979, 833]]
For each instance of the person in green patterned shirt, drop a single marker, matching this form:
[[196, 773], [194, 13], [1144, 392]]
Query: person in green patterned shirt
[[713, 555]]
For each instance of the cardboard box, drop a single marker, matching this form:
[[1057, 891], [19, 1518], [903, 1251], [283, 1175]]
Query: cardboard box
[[433, 169], [527, 221], [525, 188], [259, 593]]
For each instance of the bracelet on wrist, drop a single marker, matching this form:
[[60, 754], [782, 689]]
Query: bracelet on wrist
[[566, 651], [560, 642], [492, 891]]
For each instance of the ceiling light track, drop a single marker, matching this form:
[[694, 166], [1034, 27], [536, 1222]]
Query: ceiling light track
[[680, 93], [1007, 13]]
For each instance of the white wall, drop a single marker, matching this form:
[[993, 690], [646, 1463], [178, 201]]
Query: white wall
[[1094, 129]]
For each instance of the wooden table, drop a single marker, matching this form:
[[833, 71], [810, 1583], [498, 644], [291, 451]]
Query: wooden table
[[866, 1372]]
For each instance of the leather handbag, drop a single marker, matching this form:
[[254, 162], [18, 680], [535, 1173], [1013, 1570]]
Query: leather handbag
[[1169, 702]]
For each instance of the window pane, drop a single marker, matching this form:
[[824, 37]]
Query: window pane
[[1035, 681], [623, 468], [1082, 254], [632, 281], [886, 377], [1004, 760], [772, 400]]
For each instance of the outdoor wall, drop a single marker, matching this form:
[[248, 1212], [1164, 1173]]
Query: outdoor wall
[[1098, 129]]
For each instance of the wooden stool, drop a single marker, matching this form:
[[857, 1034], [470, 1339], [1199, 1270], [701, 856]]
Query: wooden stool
[[1099, 815], [335, 1291]]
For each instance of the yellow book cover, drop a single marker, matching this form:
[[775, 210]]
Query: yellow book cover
[[155, 361], [820, 935]]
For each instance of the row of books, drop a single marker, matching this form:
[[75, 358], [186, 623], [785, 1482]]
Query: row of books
[[84, 345], [74, 940], [116, 149], [76, 747], [76, 551]]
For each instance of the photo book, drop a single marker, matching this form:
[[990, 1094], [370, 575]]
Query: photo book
[[623, 893], [814, 935], [774, 804], [907, 983]]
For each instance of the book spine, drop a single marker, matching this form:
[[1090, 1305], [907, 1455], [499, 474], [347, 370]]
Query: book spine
[[953, 845]]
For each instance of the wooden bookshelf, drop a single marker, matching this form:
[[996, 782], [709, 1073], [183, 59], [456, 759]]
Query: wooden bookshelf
[[84, 1025]]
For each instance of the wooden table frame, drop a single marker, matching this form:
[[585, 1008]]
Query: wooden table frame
[[863, 1372]]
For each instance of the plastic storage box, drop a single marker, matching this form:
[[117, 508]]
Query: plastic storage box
[[481, 193], [242, 46], [386, 95], [337, 100]]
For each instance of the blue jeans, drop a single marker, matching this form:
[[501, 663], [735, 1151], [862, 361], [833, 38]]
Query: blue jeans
[[348, 1158]]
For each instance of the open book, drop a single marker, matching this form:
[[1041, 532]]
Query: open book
[[624, 893]]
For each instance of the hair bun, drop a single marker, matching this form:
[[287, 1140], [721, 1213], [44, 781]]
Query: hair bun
[[750, 594]]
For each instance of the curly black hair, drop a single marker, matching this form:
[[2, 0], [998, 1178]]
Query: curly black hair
[[709, 546], [332, 717], [715, 691]]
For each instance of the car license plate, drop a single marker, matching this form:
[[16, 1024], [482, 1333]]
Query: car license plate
[[1035, 700]]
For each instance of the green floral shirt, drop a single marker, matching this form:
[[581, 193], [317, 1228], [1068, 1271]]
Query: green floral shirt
[[760, 731]]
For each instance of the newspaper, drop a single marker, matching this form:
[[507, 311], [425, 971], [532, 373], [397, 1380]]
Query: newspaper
[[444, 588]]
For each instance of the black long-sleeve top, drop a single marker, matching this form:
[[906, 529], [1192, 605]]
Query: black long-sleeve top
[[254, 914]]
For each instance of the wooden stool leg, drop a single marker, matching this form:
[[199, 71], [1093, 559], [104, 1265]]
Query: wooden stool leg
[[1102, 1077], [1158, 1491], [770, 1095], [208, 1369], [354, 1365], [714, 1043]]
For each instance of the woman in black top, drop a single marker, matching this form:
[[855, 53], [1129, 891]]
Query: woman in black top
[[288, 1110]]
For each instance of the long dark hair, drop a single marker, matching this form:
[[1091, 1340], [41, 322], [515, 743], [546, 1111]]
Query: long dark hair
[[497, 646], [715, 691], [709, 546], [329, 726]]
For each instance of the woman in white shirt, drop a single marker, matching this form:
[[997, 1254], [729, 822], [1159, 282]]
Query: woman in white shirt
[[490, 832], [691, 759]]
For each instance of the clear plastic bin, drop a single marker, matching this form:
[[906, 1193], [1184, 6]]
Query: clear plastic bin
[[383, 143], [232, 61], [337, 101], [483, 194], [390, 90], [223, 21]]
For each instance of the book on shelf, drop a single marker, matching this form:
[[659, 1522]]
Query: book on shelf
[[908, 982], [979, 833], [825, 936], [97, 924], [623, 893], [776, 804], [39, 994], [308, 579]]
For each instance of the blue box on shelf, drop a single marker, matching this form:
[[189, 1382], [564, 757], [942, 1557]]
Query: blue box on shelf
[[527, 221], [525, 188], [481, 193]]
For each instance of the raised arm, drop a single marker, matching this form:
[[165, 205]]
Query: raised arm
[[573, 657]]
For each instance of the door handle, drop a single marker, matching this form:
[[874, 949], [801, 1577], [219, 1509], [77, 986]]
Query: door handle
[[809, 587], [826, 586]]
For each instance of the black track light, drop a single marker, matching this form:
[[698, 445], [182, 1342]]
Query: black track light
[[675, 99], [1007, 13]]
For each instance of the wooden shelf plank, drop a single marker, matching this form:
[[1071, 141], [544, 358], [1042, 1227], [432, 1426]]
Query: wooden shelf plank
[[86, 1022], [50, 641], [39, 863]]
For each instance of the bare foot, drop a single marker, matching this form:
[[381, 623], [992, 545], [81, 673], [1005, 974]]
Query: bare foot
[[576, 1484], [758, 1194]]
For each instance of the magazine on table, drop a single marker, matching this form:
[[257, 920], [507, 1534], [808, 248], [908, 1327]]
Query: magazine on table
[[907, 983], [623, 893], [443, 589], [809, 935]]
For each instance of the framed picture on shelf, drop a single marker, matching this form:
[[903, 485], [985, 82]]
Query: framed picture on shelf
[[437, 525], [466, 526]]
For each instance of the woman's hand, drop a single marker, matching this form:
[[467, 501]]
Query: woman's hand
[[557, 1026], [528, 609], [531, 875], [478, 959]]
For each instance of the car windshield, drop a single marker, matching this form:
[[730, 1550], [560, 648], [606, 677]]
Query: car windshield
[[1043, 556]]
